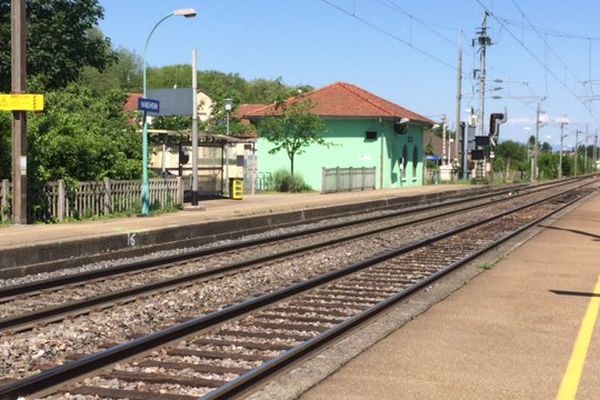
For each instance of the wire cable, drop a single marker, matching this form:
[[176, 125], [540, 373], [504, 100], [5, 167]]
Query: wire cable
[[537, 59], [389, 34]]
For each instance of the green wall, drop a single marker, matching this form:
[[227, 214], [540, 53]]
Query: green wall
[[350, 148]]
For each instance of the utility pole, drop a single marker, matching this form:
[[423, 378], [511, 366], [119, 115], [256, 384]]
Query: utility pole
[[483, 40], [563, 122], [444, 127], [586, 150], [577, 132], [458, 98], [595, 151], [19, 118], [195, 128], [536, 145]]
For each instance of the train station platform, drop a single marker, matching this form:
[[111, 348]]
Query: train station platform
[[209, 210], [40, 246], [523, 328]]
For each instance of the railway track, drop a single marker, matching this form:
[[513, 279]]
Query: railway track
[[25, 306], [223, 353]]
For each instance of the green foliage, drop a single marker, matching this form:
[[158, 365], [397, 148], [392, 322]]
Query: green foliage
[[173, 123], [82, 136], [486, 266], [548, 166], [283, 181], [61, 40], [124, 74], [219, 85], [510, 157], [429, 149], [293, 131]]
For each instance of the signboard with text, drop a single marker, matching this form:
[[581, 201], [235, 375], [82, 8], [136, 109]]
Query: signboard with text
[[21, 102], [148, 105]]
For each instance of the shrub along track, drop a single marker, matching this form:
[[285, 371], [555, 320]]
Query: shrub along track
[[221, 353], [24, 306]]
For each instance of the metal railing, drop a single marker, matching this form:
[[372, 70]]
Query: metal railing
[[347, 179]]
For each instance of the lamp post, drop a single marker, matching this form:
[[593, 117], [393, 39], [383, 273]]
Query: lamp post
[[577, 132], [187, 13], [228, 104], [563, 121]]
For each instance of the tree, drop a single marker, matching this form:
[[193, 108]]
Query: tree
[[546, 147], [293, 131], [512, 156], [61, 40], [83, 135], [124, 74]]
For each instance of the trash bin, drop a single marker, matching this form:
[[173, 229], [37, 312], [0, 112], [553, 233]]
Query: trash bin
[[236, 188]]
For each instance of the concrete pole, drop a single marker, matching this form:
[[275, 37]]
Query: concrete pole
[[536, 150], [595, 151], [444, 125], [195, 127], [458, 98], [483, 44], [560, 152], [465, 164], [576, 152], [19, 118], [586, 150], [253, 172], [227, 156]]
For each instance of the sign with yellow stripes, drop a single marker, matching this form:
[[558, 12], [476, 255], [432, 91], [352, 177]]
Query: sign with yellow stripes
[[21, 102]]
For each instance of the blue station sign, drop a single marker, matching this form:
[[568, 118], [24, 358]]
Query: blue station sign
[[148, 105]]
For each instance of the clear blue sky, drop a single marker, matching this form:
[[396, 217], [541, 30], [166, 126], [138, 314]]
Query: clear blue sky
[[311, 42]]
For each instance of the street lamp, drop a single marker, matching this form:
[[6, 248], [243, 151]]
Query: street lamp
[[228, 104], [563, 121], [187, 13]]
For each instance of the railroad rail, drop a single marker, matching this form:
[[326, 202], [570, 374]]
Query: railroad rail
[[64, 306], [225, 352]]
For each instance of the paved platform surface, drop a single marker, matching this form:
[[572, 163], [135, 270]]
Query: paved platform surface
[[510, 333], [15, 236]]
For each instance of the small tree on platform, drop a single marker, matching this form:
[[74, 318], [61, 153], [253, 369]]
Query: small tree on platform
[[293, 131]]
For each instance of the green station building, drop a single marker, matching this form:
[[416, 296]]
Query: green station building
[[365, 131]]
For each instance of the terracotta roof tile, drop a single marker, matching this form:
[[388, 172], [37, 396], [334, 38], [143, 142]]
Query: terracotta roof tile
[[244, 109], [343, 100], [132, 101]]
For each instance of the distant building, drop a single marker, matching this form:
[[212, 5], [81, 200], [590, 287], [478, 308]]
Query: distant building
[[219, 157], [365, 130]]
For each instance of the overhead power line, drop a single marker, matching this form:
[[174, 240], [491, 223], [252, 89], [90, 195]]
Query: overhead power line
[[547, 31], [427, 25], [543, 38], [537, 59], [389, 34]]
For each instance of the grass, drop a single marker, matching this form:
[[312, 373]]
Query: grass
[[486, 266]]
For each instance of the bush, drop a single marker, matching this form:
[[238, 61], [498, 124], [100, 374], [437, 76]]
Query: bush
[[283, 181]]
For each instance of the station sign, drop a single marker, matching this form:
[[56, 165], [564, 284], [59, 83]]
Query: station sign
[[148, 105], [21, 102]]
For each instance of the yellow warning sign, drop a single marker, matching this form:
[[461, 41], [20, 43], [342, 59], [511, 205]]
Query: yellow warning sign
[[21, 102]]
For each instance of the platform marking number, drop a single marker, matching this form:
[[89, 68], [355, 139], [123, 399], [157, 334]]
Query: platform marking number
[[131, 239]]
